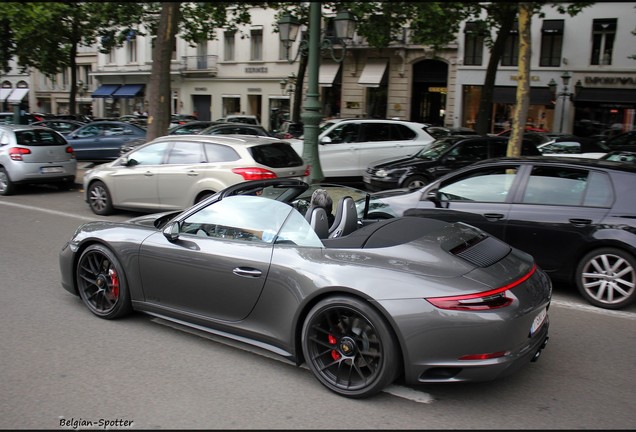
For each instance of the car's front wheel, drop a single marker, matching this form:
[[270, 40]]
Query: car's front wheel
[[102, 284], [414, 182], [349, 347], [99, 199], [606, 278], [6, 185]]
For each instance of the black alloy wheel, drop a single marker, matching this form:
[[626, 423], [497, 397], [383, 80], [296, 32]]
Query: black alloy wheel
[[349, 347], [102, 284], [606, 278], [99, 199]]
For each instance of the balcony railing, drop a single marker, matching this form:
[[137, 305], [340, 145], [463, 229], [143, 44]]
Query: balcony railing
[[200, 65]]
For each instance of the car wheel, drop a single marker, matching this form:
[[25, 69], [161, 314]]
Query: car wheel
[[102, 284], [6, 185], [349, 347], [414, 182], [202, 196], [99, 199], [607, 278]]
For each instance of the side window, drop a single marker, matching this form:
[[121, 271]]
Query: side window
[[186, 153], [220, 153], [400, 132], [344, 133], [376, 132], [490, 184], [149, 155], [470, 151], [90, 131], [600, 192], [556, 186]]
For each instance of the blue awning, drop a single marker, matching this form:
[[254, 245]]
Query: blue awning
[[128, 91], [105, 91]]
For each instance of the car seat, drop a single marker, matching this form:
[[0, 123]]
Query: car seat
[[317, 218], [346, 218]]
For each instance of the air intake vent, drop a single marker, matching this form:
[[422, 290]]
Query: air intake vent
[[484, 253]]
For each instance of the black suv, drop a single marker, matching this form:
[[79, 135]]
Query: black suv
[[441, 157]]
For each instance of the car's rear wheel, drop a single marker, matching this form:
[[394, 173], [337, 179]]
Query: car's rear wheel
[[349, 347], [99, 199], [6, 185], [414, 182], [102, 284], [202, 196], [606, 278]]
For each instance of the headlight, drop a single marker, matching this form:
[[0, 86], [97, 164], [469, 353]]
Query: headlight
[[381, 173]]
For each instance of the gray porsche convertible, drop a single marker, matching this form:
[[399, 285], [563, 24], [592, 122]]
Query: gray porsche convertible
[[373, 301]]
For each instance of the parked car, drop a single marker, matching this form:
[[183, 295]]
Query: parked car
[[441, 131], [620, 156], [441, 157], [174, 172], [414, 299], [139, 120], [576, 216], [32, 154], [348, 146], [624, 141], [289, 130], [193, 127], [236, 129], [77, 117], [574, 147], [102, 140], [62, 126], [181, 119], [25, 119], [240, 118]]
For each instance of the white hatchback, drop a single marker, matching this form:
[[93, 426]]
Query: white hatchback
[[348, 146]]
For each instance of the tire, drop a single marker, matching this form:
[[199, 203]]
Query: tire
[[99, 199], [415, 182], [6, 185], [349, 347], [101, 283], [202, 196], [606, 278]]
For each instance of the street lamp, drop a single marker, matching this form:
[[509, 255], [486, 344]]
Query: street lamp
[[288, 27], [565, 94]]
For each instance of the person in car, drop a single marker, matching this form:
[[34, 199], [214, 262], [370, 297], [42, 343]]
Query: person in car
[[320, 198]]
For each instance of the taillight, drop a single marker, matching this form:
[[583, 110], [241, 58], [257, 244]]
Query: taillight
[[485, 356], [16, 153], [254, 173], [307, 170], [70, 150], [486, 300]]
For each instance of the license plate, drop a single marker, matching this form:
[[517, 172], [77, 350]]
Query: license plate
[[538, 321], [51, 170]]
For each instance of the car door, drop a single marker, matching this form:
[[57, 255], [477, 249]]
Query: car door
[[86, 141], [339, 152], [135, 183], [183, 167], [217, 267], [480, 197], [463, 153], [557, 211]]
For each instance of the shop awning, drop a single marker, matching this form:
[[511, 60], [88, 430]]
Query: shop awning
[[17, 95], [373, 72], [508, 95], [328, 72], [4, 93], [105, 91], [606, 95], [128, 91]]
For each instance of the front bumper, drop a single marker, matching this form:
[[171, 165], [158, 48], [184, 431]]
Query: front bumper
[[376, 183]]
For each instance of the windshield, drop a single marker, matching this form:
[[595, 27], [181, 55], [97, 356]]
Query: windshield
[[436, 149]]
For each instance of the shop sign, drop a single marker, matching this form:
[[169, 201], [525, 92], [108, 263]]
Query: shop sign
[[610, 80], [437, 89], [200, 89], [261, 69], [532, 78]]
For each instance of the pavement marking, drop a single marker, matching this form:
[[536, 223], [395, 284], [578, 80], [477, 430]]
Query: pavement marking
[[53, 212], [592, 308]]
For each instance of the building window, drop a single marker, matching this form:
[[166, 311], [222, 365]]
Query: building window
[[551, 43], [228, 37], [511, 50], [131, 46], [473, 44], [256, 37], [111, 56], [603, 35]]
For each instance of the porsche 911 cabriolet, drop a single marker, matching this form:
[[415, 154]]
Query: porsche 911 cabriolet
[[420, 299]]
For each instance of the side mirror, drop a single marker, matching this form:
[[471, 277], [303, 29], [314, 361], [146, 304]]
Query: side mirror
[[433, 197], [325, 140], [171, 231]]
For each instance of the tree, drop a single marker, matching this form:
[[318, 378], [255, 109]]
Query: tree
[[520, 111]]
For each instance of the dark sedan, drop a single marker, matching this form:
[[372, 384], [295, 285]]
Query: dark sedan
[[103, 140], [236, 128], [441, 157], [412, 298], [576, 216], [193, 127], [62, 126]]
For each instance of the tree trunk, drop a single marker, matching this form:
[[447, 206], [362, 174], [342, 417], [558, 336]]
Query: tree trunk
[[298, 94], [484, 116], [520, 112], [159, 88]]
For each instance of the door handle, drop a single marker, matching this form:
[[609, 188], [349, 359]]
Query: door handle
[[247, 272], [149, 174], [580, 222], [496, 216], [192, 173]]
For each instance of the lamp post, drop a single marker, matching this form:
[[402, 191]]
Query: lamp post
[[288, 27], [565, 94]]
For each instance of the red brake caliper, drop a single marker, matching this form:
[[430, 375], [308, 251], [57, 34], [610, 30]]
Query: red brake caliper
[[114, 284], [334, 353]]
